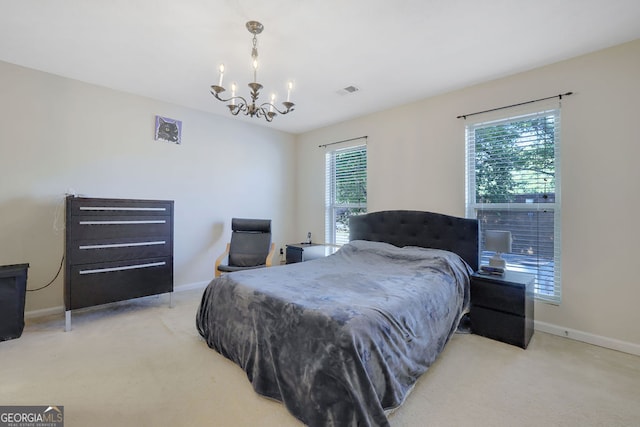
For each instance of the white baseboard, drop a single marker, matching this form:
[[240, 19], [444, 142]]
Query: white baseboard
[[599, 340], [44, 312], [191, 286], [60, 309]]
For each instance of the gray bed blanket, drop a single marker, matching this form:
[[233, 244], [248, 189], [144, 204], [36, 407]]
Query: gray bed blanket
[[340, 339]]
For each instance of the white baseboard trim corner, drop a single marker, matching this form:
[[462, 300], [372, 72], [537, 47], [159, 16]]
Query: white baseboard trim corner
[[191, 286], [33, 314], [599, 340]]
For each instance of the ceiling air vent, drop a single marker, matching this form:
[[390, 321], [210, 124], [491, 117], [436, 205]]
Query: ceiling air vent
[[348, 90]]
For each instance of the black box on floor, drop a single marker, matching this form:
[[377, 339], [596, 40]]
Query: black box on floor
[[13, 287]]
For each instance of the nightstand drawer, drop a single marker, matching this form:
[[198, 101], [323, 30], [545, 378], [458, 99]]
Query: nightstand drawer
[[508, 298], [508, 328]]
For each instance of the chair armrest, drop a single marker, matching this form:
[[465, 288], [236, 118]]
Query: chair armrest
[[221, 258], [272, 251]]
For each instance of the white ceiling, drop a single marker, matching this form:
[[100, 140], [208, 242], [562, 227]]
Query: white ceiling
[[395, 52]]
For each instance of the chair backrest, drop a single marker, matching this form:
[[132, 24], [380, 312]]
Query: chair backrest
[[250, 242]]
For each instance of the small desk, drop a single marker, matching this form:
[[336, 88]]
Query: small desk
[[502, 307], [299, 252]]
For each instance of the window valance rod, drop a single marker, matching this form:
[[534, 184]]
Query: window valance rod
[[559, 96], [344, 140]]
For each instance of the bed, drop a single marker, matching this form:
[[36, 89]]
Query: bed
[[342, 340]]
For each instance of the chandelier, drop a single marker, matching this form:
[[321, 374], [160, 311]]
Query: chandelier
[[238, 104]]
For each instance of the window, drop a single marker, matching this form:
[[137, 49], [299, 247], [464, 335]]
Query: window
[[346, 195], [513, 182]]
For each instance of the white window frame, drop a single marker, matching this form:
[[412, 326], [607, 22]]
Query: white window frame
[[543, 290], [333, 207]]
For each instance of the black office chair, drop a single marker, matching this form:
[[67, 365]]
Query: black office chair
[[250, 246]]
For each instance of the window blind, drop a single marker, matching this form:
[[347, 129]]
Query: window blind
[[513, 183], [346, 190]]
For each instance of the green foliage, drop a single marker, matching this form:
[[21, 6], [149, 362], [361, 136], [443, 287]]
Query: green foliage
[[349, 188], [351, 177], [515, 158]]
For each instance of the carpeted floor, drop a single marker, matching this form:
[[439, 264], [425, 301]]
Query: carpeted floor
[[141, 363]]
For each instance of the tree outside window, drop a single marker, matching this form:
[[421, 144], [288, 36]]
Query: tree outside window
[[346, 190]]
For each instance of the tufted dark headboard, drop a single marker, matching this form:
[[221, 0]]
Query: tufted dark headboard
[[417, 228]]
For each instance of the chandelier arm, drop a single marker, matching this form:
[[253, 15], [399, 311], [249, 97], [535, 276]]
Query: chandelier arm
[[288, 110], [268, 104], [215, 94], [260, 111], [243, 103], [236, 109], [268, 115]]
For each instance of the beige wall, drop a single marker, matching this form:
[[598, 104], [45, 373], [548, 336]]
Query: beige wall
[[59, 135], [416, 161]]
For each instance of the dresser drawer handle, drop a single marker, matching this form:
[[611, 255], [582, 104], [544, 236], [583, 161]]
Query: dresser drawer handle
[[152, 221], [109, 208], [126, 267], [121, 245]]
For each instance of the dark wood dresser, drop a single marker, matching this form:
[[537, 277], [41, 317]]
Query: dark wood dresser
[[116, 249], [502, 307]]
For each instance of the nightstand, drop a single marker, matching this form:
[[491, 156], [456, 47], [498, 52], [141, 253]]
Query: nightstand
[[502, 307], [298, 252]]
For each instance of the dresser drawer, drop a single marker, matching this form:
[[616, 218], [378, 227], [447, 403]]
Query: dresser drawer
[[505, 327], [104, 250], [509, 298], [80, 206], [100, 283], [112, 227]]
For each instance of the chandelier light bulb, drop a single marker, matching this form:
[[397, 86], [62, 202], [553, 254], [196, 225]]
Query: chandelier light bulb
[[221, 74], [233, 94], [255, 69]]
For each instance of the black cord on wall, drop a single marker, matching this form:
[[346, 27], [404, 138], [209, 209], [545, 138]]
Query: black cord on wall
[[52, 280]]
